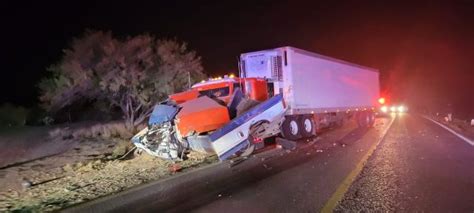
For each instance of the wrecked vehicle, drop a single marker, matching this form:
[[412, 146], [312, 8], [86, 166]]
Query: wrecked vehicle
[[203, 118], [285, 91]]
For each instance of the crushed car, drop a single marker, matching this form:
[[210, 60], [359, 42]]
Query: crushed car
[[227, 117]]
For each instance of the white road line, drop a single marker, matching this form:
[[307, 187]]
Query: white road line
[[469, 141]]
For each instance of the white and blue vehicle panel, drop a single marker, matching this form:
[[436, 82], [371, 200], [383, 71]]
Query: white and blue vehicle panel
[[233, 137]]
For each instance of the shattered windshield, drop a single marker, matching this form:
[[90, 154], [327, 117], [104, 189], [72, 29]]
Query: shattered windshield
[[218, 92]]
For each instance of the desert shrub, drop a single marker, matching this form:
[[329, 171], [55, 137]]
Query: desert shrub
[[11, 115], [36, 116]]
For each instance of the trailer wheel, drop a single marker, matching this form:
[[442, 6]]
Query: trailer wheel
[[363, 119], [291, 128], [371, 118], [307, 125]]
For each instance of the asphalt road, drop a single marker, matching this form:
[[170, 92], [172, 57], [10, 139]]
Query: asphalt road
[[417, 166], [405, 163]]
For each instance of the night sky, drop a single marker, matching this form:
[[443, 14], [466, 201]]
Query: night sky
[[424, 50]]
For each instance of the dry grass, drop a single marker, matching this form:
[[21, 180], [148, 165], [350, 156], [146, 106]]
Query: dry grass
[[81, 182], [109, 130]]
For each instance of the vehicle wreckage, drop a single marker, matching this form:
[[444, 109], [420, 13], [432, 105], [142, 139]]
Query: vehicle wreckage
[[209, 120], [285, 91]]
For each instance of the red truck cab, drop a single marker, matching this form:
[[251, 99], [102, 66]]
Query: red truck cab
[[223, 88]]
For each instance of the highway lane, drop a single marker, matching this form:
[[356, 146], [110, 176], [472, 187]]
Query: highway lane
[[418, 167], [304, 187]]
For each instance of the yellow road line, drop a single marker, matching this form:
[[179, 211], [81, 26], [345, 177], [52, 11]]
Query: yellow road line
[[347, 182]]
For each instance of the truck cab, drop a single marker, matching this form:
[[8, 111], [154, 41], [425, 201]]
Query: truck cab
[[222, 88]]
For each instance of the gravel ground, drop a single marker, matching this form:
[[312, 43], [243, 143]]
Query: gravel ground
[[81, 174]]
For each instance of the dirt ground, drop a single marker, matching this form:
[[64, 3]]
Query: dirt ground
[[89, 170]]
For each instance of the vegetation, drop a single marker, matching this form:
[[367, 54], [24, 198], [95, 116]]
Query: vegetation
[[132, 74], [11, 115]]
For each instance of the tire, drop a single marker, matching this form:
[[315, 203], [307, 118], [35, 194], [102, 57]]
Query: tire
[[363, 119], [307, 126], [339, 122], [371, 119], [291, 128]]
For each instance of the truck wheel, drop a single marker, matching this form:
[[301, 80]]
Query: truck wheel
[[290, 128], [307, 125], [363, 119], [371, 118], [339, 122]]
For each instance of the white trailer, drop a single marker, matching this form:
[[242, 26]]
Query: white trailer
[[318, 91]]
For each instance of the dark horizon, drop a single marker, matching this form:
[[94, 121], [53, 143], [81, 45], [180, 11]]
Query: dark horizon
[[423, 50]]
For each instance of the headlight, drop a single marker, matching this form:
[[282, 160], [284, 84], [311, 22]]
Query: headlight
[[384, 109], [401, 109], [393, 109]]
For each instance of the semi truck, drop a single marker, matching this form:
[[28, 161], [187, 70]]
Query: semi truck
[[318, 91], [283, 91]]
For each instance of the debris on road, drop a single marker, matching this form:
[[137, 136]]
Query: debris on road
[[175, 168], [286, 144], [236, 161], [25, 183], [267, 167]]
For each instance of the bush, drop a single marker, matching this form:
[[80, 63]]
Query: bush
[[36, 116], [11, 115]]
